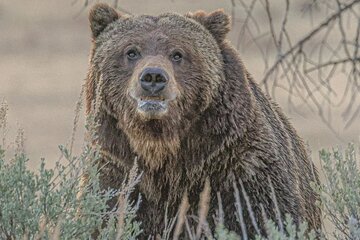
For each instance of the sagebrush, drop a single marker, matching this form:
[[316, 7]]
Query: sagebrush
[[66, 202]]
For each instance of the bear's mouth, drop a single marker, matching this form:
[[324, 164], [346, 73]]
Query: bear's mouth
[[152, 98], [152, 108], [152, 105]]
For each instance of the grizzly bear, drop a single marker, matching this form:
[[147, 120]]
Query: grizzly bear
[[177, 97]]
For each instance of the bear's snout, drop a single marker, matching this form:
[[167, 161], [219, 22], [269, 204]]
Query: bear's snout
[[153, 80], [153, 86]]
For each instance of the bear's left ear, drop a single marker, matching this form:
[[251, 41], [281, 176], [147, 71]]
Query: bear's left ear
[[217, 22], [100, 16]]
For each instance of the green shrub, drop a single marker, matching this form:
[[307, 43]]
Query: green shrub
[[340, 192], [55, 203], [66, 202]]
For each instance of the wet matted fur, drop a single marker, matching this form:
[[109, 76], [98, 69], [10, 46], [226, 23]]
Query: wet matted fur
[[219, 125]]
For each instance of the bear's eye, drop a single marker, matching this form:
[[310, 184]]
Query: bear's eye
[[177, 56], [132, 54]]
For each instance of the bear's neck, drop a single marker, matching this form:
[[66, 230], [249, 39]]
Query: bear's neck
[[152, 142], [181, 168]]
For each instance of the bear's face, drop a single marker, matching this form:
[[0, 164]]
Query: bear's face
[[158, 73]]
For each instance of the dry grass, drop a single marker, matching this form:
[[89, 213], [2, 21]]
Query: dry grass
[[184, 206], [203, 208], [127, 188]]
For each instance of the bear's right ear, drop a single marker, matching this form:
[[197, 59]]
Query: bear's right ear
[[100, 16]]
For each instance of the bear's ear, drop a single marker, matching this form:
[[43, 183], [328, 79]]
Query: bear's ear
[[100, 16], [217, 22]]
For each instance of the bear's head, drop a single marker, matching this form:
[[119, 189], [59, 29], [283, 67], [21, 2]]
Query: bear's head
[[158, 74]]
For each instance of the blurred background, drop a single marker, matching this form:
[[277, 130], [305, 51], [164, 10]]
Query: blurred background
[[44, 50]]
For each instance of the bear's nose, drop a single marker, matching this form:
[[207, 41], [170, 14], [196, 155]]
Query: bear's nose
[[153, 80]]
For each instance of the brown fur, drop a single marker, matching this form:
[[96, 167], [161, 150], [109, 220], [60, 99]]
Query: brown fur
[[219, 125]]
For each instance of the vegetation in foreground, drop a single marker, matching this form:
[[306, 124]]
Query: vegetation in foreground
[[61, 203]]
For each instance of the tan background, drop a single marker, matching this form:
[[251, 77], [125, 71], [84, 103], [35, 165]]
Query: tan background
[[44, 48]]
